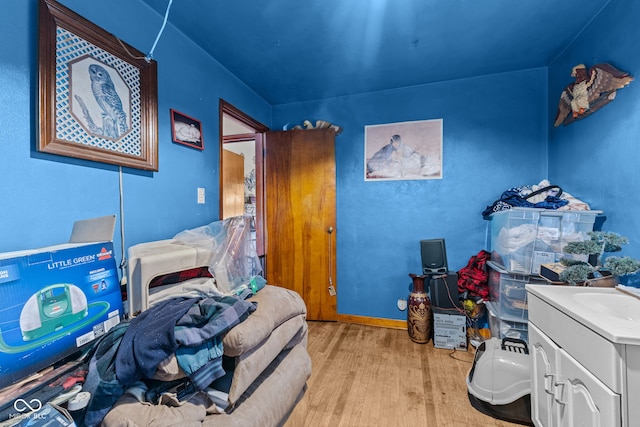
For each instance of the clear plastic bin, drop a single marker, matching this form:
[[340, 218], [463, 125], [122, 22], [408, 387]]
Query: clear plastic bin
[[507, 291], [513, 235], [555, 231], [524, 238], [506, 326]]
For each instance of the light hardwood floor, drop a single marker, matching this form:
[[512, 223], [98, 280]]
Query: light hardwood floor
[[366, 376]]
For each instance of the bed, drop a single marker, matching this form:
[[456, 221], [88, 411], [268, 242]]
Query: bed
[[265, 361]]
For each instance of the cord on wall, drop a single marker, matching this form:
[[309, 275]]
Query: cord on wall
[[149, 57], [123, 263]]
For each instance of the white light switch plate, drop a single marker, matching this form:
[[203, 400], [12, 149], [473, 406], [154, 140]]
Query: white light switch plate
[[200, 195]]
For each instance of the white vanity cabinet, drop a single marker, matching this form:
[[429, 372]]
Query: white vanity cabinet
[[585, 370], [564, 393]]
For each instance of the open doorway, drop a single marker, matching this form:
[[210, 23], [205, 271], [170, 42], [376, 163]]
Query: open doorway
[[241, 169]]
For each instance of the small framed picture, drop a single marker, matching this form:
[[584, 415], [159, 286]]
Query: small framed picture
[[186, 130]]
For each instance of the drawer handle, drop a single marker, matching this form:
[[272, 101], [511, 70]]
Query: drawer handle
[[548, 383], [559, 392]]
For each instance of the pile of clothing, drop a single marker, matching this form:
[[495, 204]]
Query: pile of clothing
[[189, 328], [542, 195]]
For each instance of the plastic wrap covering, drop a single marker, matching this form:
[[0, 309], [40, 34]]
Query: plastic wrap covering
[[234, 261]]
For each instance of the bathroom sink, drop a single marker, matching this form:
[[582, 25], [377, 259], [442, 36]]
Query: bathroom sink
[[613, 314], [617, 305]]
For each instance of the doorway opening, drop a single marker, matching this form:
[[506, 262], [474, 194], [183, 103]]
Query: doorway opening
[[242, 169]]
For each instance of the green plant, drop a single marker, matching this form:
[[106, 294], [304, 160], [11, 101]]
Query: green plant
[[600, 242], [576, 273], [621, 266]]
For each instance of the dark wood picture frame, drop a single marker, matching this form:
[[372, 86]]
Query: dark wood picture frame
[[186, 130], [98, 96]]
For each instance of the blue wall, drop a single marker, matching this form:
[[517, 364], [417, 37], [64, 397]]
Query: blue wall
[[494, 137], [496, 132], [43, 194], [597, 157]]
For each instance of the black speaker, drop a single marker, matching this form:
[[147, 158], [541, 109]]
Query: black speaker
[[444, 290], [434, 256]]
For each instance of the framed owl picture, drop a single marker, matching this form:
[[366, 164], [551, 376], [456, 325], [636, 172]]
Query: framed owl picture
[[98, 96]]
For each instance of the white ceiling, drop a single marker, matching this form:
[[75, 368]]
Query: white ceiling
[[293, 50]]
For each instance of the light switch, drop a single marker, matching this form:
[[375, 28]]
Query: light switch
[[200, 195]]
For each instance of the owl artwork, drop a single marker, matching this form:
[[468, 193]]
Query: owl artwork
[[114, 119], [591, 90]]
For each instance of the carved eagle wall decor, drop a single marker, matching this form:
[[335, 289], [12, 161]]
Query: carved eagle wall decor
[[592, 90]]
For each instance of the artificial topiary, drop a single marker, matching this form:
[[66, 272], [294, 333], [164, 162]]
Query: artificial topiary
[[576, 273], [599, 243], [588, 247], [621, 265]]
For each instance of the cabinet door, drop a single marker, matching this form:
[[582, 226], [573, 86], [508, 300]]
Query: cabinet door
[[587, 401], [543, 378]]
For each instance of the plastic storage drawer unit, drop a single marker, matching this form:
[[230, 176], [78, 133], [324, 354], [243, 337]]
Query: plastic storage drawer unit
[[506, 326], [507, 292]]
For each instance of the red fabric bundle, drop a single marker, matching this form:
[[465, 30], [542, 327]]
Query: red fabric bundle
[[474, 278]]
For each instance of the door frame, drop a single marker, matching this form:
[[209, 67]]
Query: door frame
[[227, 109]]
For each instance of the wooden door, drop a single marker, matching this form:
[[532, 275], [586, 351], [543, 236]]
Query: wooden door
[[233, 185], [300, 216]]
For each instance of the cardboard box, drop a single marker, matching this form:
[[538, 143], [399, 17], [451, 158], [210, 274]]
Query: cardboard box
[[552, 271], [55, 300], [449, 330]]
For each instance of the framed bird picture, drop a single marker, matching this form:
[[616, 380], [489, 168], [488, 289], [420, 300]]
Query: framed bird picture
[[98, 96], [403, 151]]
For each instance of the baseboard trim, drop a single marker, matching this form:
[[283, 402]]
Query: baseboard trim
[[373, 321]]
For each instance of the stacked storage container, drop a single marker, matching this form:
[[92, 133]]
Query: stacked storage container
[[521, 240], [507, 305]]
